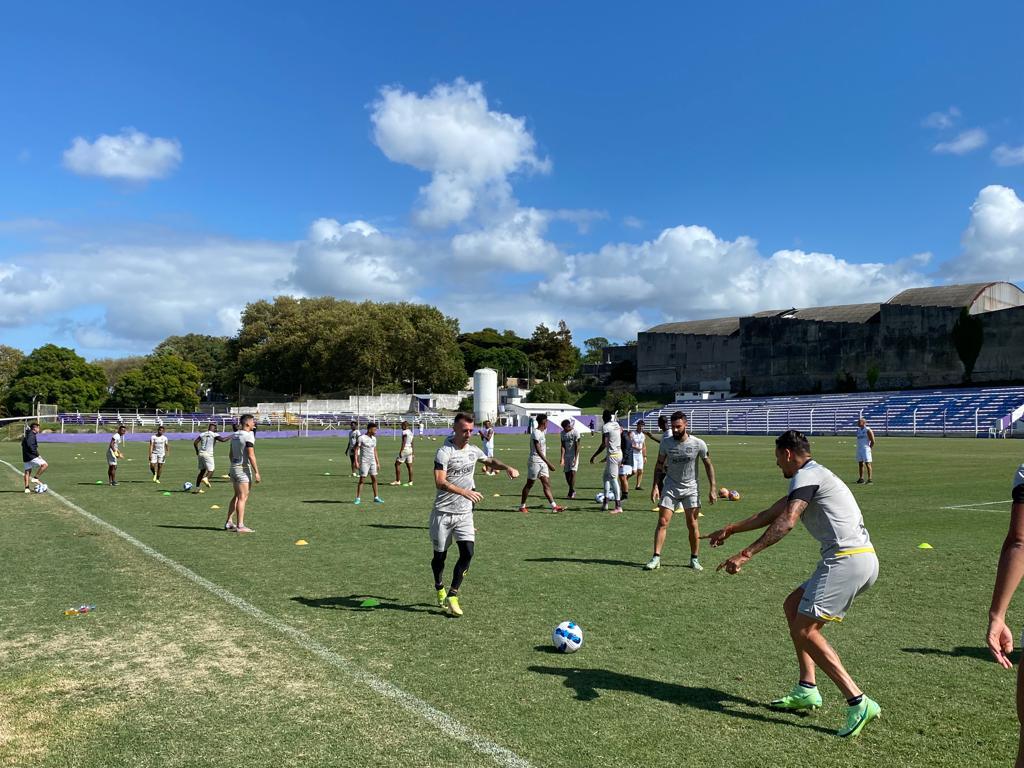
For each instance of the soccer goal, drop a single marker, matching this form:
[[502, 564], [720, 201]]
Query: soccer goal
[[46, 412]]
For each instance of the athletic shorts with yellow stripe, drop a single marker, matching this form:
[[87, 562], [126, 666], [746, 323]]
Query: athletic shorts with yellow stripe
[[837, 580]]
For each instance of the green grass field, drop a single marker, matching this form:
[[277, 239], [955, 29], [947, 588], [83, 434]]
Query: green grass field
[[675, 668]]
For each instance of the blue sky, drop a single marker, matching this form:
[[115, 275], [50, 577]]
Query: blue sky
[[616, 168]]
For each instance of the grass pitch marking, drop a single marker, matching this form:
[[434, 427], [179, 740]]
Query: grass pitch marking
[[407, 701], [978, 505]]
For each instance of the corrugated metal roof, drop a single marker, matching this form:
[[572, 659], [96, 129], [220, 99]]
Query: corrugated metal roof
[[720, 326], [844, 313], [940, 295]]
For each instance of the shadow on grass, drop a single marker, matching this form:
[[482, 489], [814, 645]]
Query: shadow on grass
[[589, 682], [962, 651], [389, 527], [595, 561], [355, 603], [194, 527], [324, 501]]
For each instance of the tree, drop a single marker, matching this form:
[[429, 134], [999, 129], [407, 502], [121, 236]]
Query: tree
[[549, 392], [52, 374], [10, 357], [507, 361], [116, 367], [553, 353], [968, 337], [872, 375], [164, 381], [594, 347], [210, 354], [619, 401]]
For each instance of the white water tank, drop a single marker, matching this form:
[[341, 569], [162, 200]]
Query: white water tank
[[485, 395]]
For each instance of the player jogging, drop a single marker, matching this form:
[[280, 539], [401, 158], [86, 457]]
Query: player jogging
[[353, 438], [405, 455], [487, 438], [452, 515], [1008, 576], [539, 467], [115, 451], [677, 466], [366, 454], [243, 473], [159, 450], [570, 438], [30, 457], [865, 442], [639, 440], [848, 567], [204, 445], [611, 443]]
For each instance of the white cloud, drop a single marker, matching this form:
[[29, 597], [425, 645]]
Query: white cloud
[[966, 141], [515, 244], [131, 155], [632, 222], [469, 149], [993, 243], [354, 261], [941, 119], [1006, 155]]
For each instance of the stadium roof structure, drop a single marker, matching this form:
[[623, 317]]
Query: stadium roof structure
[[977, 297]]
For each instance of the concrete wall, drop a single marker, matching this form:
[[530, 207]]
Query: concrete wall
[[1002, 354], [669, 362], [364, 405]]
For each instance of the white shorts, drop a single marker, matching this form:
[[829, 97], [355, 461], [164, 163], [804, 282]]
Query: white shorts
[[674, 498], [154, 459], [38, 461], [536, 470], [205, 462], [625, 470], [489, 450], [405, 457], [240, 474], [837, 580], [368, 470], [445, 527], [111, 459], [638, 462], [864, 454]]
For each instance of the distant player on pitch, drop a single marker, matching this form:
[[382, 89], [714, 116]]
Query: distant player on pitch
[[865, 442], [405, 455], [115, 451], [677, 468], [848, 567], [570, 439], [31, 460], [369, 462], [639, 440], [204, 445], [611, 443], [243, 473], [487, 439], [353, 438], [159, 450], [1008, 576], [452, 515], [539, 468]]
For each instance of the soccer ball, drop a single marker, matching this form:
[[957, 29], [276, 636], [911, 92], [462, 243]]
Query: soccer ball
[[567, 637], [723, 492], [600, 497], [187, 487], [734, 496], [42, 488]]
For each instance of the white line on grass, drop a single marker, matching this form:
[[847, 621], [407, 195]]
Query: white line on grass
[[978, 504], [446, 723]]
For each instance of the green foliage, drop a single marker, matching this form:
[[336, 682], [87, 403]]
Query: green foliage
[[480, 347], [619, 401], [466, 404], [594, 346], [163, 381], [872, 375], [116, 367], [507, 361], [553, 353], [210, 354], [968, 337], [10, 357], [55, 374], [549, 392]]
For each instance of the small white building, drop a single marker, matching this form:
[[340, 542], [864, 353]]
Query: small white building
[[521, 414]]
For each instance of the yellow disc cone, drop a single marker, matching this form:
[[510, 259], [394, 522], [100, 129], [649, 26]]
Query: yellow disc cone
[[301, 543], [215, 506], [925, 545]]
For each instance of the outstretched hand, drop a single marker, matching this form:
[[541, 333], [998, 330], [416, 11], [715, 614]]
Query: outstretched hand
[[717, 538], [734, 564]]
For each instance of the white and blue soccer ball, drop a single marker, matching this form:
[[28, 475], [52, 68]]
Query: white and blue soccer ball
[[187, 487], [42, 488], [567, 637], [600, 497]]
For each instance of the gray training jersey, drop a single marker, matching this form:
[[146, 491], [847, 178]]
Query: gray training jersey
[[570, 442], [538, 438], [367, 445], [207, 440], [459, 465], [832, 515], [239, 441], [681, 461]]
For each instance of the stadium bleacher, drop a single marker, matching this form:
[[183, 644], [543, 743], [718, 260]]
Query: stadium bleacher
[[961, 412]]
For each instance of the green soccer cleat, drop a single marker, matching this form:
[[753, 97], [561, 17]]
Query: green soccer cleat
[[798, 699], [442, 595], [453, 606], [858, 716]]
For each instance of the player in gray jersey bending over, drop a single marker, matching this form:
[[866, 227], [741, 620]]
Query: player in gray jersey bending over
[[452, 515], [848, 567]]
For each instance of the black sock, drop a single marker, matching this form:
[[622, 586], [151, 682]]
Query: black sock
[[855, 700], [805, 684], [693, 555]]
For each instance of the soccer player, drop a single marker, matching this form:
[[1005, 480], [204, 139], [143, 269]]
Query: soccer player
[[115, 451], [639, 440], [30, 455], [405, 455], [366, 454], [353, 438], [244, 472], [677, 466], [452, 515], [539, 467], [204, 445], [848, 567], [611, 443], [1008, 576], [865, 442], [159, 450], [570, 454], [626, 466], [665, 431], [487, 438]]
